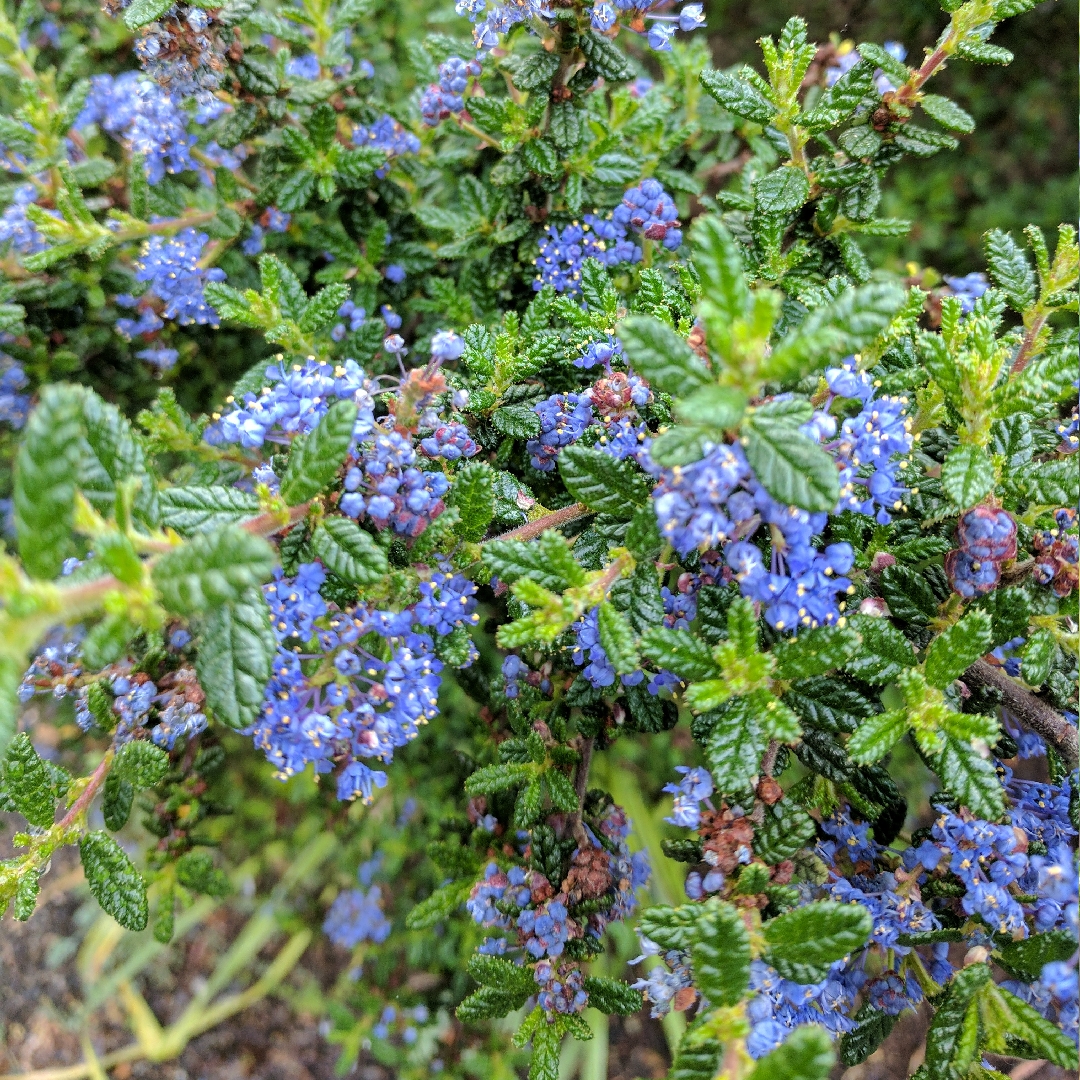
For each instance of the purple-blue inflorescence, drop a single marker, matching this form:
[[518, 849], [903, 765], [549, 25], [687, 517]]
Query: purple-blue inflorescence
[[442, 99], [383, 682], [563, 420]]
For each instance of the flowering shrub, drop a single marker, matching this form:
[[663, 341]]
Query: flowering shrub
[[692, 459]]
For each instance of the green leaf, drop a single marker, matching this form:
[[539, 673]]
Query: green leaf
[[806, 1055], [790, 466], [1025, 959], [617, 638], [493, 778], [803, 943], [785, 828], [116, 799], [896, 70], [876, 736], [490, 1002], [1010, 610], [27, 783], [548, 561], [719, 263], [141, 764], [782, 191], [322, 309], [949, 1054], [314, 462], [1043, 1036], [211, 569], [679, 651], [236, 652], [141, 12], [947, 113], [1011, 437], [45, 476], [27, 893], [683, 444], [612, 996], [698, 1057], [660, 356], [815, 651], [605, 57], [195, 870], [349, 551], [601, 482], [502, 973], [735, 746], [982, 52], [474, 496], [442, 903], [967, 475], [721, 954], [716, 407], [561, 790], [1048, 483], [874, 1028], [738, 96], [117, 886], [908, 594], [844, 326], [954, 650], [1037, 659], [107, 642], [546, 1043], [517, 421], [971, 778], [670, 927]]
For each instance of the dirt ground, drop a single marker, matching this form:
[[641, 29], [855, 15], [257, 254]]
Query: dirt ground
[[40, 987]]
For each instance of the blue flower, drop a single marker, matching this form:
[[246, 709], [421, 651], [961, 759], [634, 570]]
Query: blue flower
[[563, 420], [171, 269], [356, 916]]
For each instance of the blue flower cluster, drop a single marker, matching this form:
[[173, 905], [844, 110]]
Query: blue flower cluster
[[185, 55], [16, 228], [868, 443], [562, 988], [445, 97], [598, 670], [385, 485], [563, 420], [713, 501], [388, 135], [649, 210], [987, 538], [562, 251], [138, 113], [293, 404], [357, 916], [968, 289], [378, 677], [14, 406], [171, 269], [450, 441]]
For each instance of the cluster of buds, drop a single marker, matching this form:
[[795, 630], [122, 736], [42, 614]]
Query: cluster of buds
[[1056, 561], [987, 538]]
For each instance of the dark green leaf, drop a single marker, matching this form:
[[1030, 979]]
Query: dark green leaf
[[348, 551], [719, 262], [27, 783], [782, 191], [141, 12], [738, 96], [141, 764], [1025, 959], [790, 465], [314, 462], [679, 651], [45, 477], [803, 943], [612, 996], [601, 482], [517, 421], [211, 569], [236, 650], [116, 800], [947, 113], [949, 1054], [721, 954], [967, 475], [659, 355], [117, 886], [806, 1055], [971, 778], [735, 746], [815, 651], [954, 650], [1038, 656]]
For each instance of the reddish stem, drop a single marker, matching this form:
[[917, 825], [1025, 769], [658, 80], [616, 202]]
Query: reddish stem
[[533, 529], [86, 797]]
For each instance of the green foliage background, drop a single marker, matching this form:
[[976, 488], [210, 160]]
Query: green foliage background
[[1018, 165]]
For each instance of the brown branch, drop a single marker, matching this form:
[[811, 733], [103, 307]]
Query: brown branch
[[532, 529], [1028, 344], [1028, 709], [86, 796]]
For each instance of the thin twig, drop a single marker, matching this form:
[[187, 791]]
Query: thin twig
[[1024, 355], [86, 796], [533, 529], [1029, 710]]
